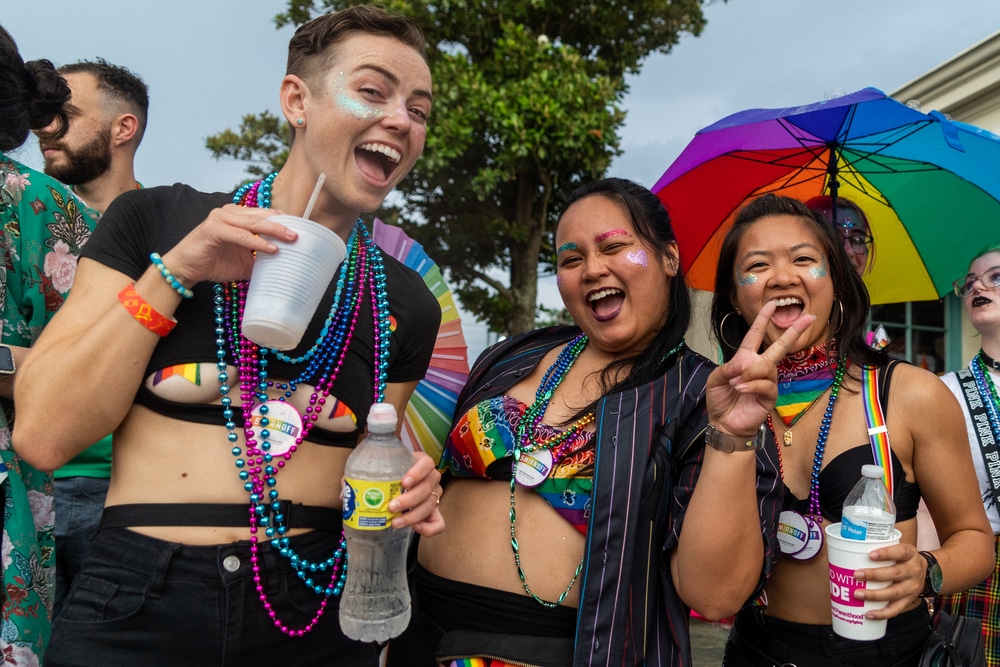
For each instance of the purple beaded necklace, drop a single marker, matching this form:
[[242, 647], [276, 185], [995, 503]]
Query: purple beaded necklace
[[363, 271]]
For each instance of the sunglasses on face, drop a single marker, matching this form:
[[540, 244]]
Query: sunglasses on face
[[990, 279], [859, 243]]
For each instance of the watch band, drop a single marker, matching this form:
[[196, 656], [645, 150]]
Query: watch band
[[724, 442]]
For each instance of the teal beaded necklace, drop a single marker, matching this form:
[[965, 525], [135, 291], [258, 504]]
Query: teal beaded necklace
[[530, 420]]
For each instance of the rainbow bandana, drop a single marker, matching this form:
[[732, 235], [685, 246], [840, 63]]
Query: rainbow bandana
[[802, 378]]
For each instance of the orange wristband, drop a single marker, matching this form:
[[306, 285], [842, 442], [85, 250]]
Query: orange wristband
[[144, 313]]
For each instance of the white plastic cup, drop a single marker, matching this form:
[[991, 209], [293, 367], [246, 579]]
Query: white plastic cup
[[287, 286], [845, 557]]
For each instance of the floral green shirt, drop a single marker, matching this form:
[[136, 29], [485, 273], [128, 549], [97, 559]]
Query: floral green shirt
[[44, 225]]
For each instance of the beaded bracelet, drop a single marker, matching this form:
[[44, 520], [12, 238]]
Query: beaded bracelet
[[144, 313], [169, 277]]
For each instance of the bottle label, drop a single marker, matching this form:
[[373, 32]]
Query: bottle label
[[366, 503], [865, 530]]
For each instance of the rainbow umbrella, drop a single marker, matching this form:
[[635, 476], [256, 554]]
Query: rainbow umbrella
[[929, 186], [432, 405]]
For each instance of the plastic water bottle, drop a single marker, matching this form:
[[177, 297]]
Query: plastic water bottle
[[869, 513], [375, 605]]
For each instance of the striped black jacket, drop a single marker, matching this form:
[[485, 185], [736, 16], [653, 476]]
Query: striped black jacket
[[650, 445]]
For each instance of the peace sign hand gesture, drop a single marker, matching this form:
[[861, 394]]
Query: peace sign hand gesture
[[742, 392]]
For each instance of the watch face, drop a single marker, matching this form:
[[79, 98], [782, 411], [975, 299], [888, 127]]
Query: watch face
[[6, 360], [935, 576]]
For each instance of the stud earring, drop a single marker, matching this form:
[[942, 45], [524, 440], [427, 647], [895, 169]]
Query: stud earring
[[300, 121]]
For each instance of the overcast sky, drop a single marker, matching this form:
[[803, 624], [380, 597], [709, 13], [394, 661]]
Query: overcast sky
[[208, 62]]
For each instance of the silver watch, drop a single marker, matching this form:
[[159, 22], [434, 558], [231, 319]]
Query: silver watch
[[728, 444]]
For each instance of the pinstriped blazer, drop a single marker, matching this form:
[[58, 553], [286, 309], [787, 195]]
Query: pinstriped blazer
[[650, 445]]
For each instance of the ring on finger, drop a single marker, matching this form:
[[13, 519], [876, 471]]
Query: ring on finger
[[437, 499]]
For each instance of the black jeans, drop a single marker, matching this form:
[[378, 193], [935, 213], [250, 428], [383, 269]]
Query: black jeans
[[143, 602], [758, 640]]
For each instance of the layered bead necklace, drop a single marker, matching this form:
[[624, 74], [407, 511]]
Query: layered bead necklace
[[266, 452], [801, 536], [545, 454]]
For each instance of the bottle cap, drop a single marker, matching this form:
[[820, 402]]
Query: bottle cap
[[382, 418], [871, 471]]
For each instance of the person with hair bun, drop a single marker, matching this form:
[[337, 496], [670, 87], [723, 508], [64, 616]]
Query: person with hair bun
[[42, 228]]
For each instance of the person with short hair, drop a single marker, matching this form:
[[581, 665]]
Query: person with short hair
[[107, 118], [221, 541]]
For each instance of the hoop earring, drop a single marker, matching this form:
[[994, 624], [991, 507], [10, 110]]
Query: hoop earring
[[722, 331], [834, 330]]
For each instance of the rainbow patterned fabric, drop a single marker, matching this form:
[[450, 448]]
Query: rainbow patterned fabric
[[487, 433]]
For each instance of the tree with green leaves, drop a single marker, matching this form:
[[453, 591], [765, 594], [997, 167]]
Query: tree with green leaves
[[527, 105]]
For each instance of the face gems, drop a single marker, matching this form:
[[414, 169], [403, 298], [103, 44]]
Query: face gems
[[747, 280], [637, 257], [566, 246], [820, 271], [604, 236]]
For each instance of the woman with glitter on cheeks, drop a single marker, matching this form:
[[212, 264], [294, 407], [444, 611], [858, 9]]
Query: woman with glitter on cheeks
[[603, 478], [221, 539], [780, 251]]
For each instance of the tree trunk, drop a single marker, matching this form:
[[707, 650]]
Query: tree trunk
[[524, 278]]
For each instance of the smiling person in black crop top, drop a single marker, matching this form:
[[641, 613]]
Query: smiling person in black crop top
[[777, 249], [184, 563]]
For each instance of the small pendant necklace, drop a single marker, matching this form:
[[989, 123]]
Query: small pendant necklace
[[530, 420]]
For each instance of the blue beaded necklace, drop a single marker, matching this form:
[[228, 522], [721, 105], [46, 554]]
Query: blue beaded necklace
[[363, 271]]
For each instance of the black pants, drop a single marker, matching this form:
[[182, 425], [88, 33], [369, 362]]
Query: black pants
[[144, 602], [758, 640]]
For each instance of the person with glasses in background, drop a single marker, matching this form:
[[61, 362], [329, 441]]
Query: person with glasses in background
[[976, 390], [851, 226]]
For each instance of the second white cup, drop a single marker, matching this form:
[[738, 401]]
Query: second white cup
[[845, 557], [287, 286]]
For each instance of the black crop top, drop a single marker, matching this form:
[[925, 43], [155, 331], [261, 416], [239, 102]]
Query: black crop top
[[140, 222]]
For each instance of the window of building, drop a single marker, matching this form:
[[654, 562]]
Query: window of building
[[918, 333]]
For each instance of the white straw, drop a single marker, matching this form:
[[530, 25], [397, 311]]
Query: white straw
[[315, 196]]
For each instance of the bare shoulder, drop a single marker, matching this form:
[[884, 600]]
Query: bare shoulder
[[922, 398]]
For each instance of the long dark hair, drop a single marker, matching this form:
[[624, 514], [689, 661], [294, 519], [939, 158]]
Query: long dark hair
[[32, 94], [652, 223], [849, 314]]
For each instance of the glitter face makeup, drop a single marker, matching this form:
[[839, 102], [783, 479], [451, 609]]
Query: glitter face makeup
[[603, 236], [357, 108], [566, 246], [350, 104], [747, 280], [819, 271], [637, 257]]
